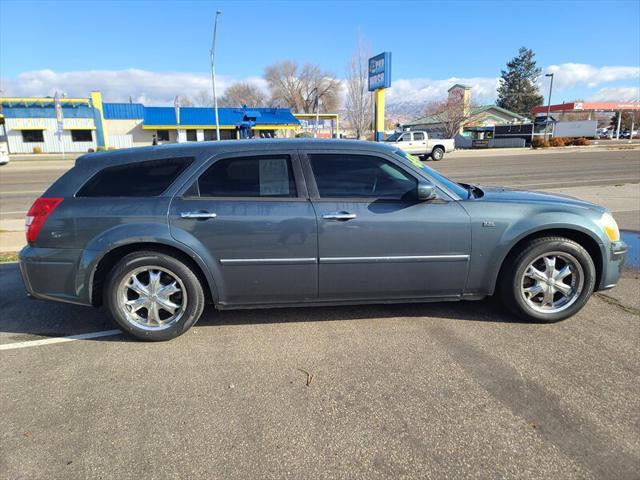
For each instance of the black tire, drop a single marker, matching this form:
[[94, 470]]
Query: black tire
[[510, 283], [195, 299], [437, 154]]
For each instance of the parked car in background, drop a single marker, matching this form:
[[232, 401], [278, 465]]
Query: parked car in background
[[154, 233], [418, 143], [4, 153]]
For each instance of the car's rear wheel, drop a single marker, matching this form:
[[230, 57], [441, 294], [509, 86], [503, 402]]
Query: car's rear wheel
[[550, 279], [153, 296], [437, 154]]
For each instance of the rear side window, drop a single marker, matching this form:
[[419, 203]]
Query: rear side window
[[140, 179], [259, 176]]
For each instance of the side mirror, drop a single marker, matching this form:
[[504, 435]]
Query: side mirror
[[426, 191]]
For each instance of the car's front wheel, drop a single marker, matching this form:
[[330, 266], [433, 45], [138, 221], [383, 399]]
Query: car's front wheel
[[153, 296], [550, 279]]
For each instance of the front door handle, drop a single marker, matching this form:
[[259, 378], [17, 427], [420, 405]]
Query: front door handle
[[198, 215], [339, 216]]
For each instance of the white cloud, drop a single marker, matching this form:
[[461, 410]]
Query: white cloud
[[151, 88], [616, 94], [424, 90], [159, 88], [567, 75]]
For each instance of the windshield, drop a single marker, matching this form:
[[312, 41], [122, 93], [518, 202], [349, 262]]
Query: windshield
[[393, 137], [438, 177]]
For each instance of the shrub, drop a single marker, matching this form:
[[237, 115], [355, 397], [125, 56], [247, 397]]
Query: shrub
[[37, 149], [582, 141], [539, 142], [559, 142]]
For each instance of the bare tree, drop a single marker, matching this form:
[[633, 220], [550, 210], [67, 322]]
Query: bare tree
[[302, 89], [203, 99], [358, 102], [451, 114], [243, 93], [184, 101]]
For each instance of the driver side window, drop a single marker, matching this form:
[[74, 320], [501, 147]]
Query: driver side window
[[361, 176]]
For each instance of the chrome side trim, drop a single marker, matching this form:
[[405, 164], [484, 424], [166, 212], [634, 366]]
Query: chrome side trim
[[268, 261], [397, 258]]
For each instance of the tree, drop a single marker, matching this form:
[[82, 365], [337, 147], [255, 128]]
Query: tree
[[203, 99], [518, 89], [358, 102], [452, 114], [243, 93], [302, 89], [184, 101]]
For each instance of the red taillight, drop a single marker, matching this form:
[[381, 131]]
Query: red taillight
[[37, 215]]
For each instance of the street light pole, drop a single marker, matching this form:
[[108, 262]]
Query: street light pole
[[213, 73], [546, 123]]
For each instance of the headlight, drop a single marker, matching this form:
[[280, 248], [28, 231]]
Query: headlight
[[610, 227]]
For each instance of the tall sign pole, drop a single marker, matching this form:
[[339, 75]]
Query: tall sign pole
[[57, 105], [213, 73], [379, 79]]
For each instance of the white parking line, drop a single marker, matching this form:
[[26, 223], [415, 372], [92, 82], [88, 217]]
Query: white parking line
[[49, 341]]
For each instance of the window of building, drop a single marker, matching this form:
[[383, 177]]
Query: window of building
[[341, 176], [192, 136], [32, 136], [263, 176], [141, 179], [209, 135], [81, 136], [162, 135]]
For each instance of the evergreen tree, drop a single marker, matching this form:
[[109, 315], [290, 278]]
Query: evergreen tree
[[518, 89]]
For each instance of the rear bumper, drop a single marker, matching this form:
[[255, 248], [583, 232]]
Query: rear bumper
[[613, 265], [51, 274]]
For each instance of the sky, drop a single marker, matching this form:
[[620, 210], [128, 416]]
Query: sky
[[151, 51]]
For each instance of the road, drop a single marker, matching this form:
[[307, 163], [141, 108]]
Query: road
[[21, 182], [445, 390]]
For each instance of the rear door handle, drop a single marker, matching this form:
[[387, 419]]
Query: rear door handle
[[198, 215], [339, 216]]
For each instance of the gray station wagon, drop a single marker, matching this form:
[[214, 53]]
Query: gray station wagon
[[155, 233]]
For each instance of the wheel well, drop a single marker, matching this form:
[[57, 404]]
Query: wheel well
[[441, 147], [112, 257], [584, 240]]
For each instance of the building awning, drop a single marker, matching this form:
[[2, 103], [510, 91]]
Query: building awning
[[187, 127]]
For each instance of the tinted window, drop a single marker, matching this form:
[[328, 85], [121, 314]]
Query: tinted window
[[192, 136], [32, 136], [141, 179], [360, 176], [81, 136], [264, 176], [418, 136]]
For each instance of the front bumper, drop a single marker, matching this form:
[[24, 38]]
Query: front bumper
[[613, 264], [50, 273]]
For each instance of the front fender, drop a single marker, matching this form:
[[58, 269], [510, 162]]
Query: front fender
[[492, 245], [130, 234]]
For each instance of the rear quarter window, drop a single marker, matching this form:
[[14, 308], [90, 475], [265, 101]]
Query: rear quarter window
[[140, 179]]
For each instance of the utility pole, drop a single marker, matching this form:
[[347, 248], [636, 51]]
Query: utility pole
[[546, 123], [213, 74]]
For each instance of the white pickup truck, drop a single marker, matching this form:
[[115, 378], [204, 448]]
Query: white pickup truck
[[418, 143]]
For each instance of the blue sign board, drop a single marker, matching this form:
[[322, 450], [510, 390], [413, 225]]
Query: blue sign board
[[380, 71]]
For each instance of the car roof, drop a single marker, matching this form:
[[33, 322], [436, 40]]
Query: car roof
[[199, 149]]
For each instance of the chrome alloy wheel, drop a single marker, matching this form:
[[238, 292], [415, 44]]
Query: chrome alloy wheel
[[152, 298], [552, 282]]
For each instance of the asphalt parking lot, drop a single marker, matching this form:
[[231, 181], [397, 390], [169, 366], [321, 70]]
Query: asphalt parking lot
[[443, 390]]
